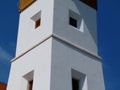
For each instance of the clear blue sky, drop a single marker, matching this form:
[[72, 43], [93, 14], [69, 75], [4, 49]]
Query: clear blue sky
[[108, 39]]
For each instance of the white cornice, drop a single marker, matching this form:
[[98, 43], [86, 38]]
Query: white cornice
[[62, 39]]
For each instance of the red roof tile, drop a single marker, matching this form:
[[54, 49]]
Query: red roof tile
[[3, 86]]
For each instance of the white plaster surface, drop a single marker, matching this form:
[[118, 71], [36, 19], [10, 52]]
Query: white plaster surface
[[28, 36], [65, 58], [39, 60], [53, 60]]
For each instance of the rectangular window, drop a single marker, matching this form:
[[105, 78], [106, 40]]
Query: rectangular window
[[37, 23], [75, 84], [73, 22], [30, 85], [37, 19], [78, 80], [28, 81]]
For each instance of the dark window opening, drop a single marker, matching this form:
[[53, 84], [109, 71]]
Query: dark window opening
[[73, 22], [75, 84], [37, 23], [30, 85]]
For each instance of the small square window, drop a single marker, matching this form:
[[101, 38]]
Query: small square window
[[37, 19], [37, 23], [73, 22]]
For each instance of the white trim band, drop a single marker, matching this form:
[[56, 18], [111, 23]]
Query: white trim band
[[62, 39]]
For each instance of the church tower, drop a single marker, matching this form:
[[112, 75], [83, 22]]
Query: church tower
[[57, 47]]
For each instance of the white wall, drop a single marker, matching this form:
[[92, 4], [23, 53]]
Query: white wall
[[55, 19], [65, 58], [53, 60], [39, 60], [28, 36]]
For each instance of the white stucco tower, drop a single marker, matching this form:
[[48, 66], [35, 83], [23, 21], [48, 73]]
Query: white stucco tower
[[57, 47]]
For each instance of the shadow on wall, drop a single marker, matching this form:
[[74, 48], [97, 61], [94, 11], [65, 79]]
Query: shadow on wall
[[88, 14]]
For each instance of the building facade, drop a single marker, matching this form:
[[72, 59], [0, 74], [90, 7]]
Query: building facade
[[57, 47]]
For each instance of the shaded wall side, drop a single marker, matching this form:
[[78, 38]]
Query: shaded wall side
[[86, 39], [65, 58]]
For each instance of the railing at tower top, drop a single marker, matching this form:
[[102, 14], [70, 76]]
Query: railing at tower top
[[24, 4], [91, 3]]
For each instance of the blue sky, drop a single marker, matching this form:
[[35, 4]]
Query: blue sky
[[108, 39]]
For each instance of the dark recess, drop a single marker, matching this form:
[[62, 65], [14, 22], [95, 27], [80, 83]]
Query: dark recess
[[75, 84], [91, 3]]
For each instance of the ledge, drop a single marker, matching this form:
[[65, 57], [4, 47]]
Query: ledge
[[62, 39]]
